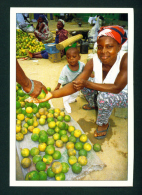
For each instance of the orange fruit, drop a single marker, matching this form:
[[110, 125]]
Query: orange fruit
[[47, 105], [76, 168], [35, 124], [30, 128], [62, 132], [43, 138], [50, 119], [24, 130], [61, 125], [50, 141], [36, 130], [50, 131], [52, 124], [51, 111], [72, 139], [60, 118], [62, 113], [41, 111], [57, 129], [50, 115], [42, 132], [18, 105], [56, 114], [30, 122], [57, 110]]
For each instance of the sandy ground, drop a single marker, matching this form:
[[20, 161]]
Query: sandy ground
[[114, 151]]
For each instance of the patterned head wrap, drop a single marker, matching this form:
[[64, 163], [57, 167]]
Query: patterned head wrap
[[116, 32], [63, 22], [44, 18]]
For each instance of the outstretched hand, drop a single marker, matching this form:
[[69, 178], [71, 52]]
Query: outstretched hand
[[79, 84], [35, 100]]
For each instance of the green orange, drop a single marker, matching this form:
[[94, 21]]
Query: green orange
[[76, 168], [60, 176], [42, 175], [56, 155], [40, 166], [65, 167], [50, 173], [47, 159]]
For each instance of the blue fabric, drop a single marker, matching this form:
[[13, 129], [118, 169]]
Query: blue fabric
[[57, 39], [44, 54], [44, 18]]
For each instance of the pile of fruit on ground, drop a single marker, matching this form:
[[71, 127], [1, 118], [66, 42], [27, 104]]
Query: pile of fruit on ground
[[58, 135], [25, 41]]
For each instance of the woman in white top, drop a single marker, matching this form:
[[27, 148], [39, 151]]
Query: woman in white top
[[110, 69]]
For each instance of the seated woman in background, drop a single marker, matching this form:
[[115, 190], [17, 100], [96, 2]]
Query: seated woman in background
[[42, 32], [61, 35]]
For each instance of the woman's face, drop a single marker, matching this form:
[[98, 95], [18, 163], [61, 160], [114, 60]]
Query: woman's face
[[108, 49], [60, 25], [40, 20]]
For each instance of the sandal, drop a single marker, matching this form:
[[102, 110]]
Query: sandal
[[91, 108], [103, 136], [30, 55]]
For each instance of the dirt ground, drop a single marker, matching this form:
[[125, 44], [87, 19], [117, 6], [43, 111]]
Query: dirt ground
[[114, 151]]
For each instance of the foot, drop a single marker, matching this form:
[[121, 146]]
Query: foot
[[87, 107], [30, 54], [101, 128]]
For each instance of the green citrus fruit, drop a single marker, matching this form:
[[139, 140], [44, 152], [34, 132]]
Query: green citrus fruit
[[48, 89], [47, 105], [71, 128], [69, 145], [34, 175], [34, 137], [29, 115], [51, 111], [18, 105], [40, 166], [43, 138], [82, 152], [42, 95], [56, 155], [78, 145], [50, 119], [83, 138], [67, 118], [50, 131], [50, 141], [50, 149], [34, 151], [24, 130], [35, 110], [56, 136], [57, 129], [47, 159], [64, 138], [59, 143], [63, 132], [30, 122], [76, 168], [60, 118], [19, 136], [42, 175], [42, 132], [65, 167], [37, 158], [72, 139], [42, 121], [62, 125], [20, 93], [87, 147], [42, 104], [52, 124], [97, 147], [60, 176], [50, 173]]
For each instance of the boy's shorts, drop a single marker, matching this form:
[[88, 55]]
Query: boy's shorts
[[44, 54]]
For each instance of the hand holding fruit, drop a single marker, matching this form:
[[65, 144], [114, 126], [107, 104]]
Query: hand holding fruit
[[79, 84], [35, 100]]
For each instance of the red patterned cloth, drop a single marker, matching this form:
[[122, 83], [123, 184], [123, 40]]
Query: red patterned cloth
[[63, 35], [116, 32]]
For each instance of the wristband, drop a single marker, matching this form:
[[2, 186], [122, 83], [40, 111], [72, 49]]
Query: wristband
[[32, 89]]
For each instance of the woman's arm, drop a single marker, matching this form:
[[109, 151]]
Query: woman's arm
[[119, 84], [40, 27]]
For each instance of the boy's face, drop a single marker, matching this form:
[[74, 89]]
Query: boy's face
[[72, 57]]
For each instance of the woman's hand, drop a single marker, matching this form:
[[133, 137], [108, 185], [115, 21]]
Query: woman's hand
[[79, 84], [35, 100]]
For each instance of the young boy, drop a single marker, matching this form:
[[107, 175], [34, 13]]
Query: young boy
[[70, 73]]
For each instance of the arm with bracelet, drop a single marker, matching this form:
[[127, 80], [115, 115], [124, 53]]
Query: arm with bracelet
[[30, 87]]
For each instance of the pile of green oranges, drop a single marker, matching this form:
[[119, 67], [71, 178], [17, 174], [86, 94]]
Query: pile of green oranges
[[24, 42], [58, 135]]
